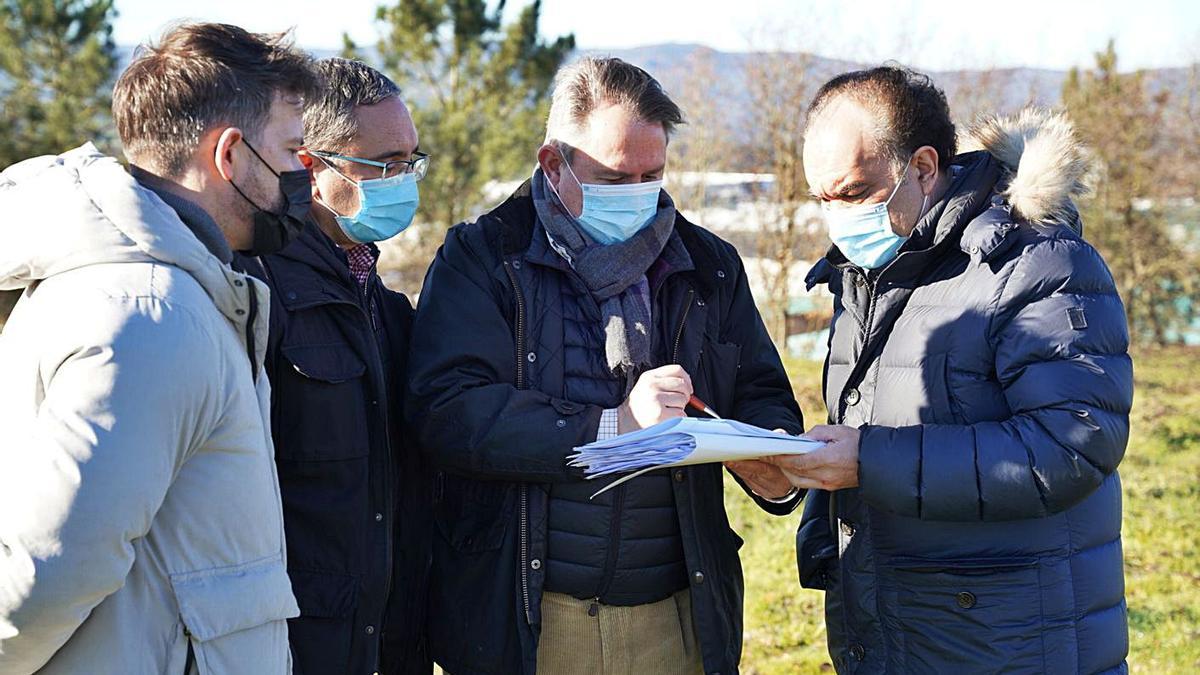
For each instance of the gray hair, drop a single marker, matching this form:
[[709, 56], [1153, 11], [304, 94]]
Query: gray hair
[[592, 82], [329, 119]]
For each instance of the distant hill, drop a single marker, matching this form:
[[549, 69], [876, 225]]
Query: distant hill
[[669, 62], [1017, 86], [1007, 89]]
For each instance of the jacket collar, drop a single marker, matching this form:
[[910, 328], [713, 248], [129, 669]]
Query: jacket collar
[[314, 271], [192, 214]]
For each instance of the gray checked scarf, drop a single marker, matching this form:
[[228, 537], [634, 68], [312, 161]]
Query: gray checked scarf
[[614, 274]]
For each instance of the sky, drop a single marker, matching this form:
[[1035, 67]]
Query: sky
[[932, 35]]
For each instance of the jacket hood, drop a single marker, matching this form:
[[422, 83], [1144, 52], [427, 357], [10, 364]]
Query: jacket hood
[[1043, 158], [82, 208]]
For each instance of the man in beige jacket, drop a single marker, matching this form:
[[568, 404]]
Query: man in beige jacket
[[140, 523]]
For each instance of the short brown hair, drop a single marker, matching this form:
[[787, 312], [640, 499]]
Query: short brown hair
[[592, 82], [198, 76]]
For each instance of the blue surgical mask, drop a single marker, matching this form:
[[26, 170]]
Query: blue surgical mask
[[614, 213], [864, 233], [386, 207]]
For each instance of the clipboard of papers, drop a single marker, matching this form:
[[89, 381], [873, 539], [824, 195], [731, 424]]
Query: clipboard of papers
[[681, 442]]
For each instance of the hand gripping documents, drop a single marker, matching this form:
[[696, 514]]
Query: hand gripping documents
[[681, 442]]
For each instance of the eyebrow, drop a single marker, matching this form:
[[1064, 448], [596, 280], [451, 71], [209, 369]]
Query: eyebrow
[[394, 153], [843, 192], [849, 188], [613, 174]]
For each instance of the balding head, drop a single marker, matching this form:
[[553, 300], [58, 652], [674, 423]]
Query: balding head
[[873, 133], [905, 111]]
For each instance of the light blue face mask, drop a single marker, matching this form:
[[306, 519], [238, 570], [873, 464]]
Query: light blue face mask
[[614, 213], [386, 207], [864, 233]]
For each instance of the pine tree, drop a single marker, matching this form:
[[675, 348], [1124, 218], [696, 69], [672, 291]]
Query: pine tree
[[57, 60], [478, 90]]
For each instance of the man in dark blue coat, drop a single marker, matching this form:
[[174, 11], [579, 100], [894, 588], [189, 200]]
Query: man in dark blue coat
[[966, 513], [583, 306], [355, 496]]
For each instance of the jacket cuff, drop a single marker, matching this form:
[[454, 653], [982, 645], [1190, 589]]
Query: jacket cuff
[[889, 468]]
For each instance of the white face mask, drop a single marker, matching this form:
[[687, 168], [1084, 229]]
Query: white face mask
[[614, 213]]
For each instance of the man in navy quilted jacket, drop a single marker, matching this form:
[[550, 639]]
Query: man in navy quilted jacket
[[965, 515]]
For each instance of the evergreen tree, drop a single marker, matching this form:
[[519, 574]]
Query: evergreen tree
[[478, 90], [57, 59]]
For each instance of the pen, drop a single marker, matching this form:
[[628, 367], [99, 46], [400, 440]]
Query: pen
[[702, 407]]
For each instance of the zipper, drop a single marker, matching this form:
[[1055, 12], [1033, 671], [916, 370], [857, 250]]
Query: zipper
[[682, 322], [872, 285], [251, 318], [389, 534], [614, 541], [524, 488]]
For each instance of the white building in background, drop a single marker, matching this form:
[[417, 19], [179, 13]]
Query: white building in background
[[737, 207]]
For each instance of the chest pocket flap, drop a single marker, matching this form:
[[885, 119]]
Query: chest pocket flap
[[322, 403], [332, 363]]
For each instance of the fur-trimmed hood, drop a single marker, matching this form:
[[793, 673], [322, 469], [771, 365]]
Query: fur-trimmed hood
[[1043, 156]]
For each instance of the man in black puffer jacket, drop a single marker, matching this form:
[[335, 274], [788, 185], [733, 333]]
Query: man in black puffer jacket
[[966, 515], [582, 306]]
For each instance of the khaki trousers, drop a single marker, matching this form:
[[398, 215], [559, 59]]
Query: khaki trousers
[[657, 639]]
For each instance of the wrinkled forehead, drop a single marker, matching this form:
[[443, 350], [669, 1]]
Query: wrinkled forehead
[[840, 146], [613, 133]]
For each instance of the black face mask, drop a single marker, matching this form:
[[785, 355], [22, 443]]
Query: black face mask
[[273, 231]]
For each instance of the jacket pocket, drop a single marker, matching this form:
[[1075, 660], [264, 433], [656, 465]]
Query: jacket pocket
[[720, 362], [234, 616], [977, 615], [322, 636], [472, 515], [322, 400]]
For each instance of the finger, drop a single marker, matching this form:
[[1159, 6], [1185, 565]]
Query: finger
[[750, 467], [822, 433], [671, 383], [672, 370], [803, 483], [671, 399], [798, 463], [675, 371]]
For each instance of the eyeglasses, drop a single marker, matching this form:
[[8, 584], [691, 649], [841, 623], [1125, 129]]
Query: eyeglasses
[[418, 165]]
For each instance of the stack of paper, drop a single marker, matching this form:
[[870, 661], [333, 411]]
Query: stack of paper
[[680, 442]]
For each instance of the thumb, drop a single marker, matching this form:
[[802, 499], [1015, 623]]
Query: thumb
[[823, 433]]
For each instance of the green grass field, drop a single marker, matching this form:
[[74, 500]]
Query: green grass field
[[785, 630]]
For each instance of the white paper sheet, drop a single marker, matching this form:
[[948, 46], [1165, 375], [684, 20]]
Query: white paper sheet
[[681, 442]]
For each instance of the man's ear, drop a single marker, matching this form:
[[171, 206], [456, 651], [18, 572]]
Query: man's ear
[[925, 160], [223, 152], [307, 160], [550, 159]]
